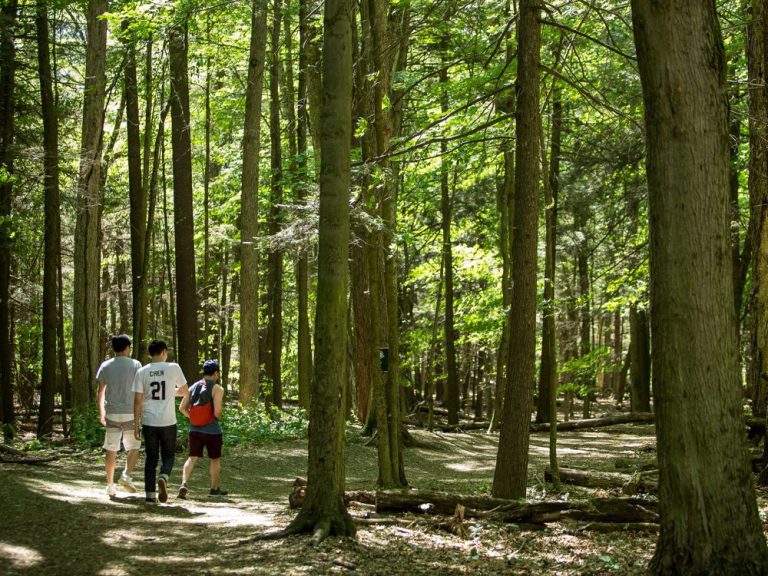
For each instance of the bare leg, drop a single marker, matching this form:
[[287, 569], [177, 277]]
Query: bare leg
[[189, 466], [130, 461], [215, 472], [109, 465]]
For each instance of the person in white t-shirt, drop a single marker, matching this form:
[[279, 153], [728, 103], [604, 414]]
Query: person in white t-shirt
[[155, 387], [115, 399]]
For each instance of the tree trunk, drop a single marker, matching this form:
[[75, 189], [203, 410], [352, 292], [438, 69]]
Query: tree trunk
[[505, 204], [52, 224], [324, 512], [137, 193], [183, 211], [382, 65], [275, 258], [7, 112], [758, 197], [548, 370], [249, 218], [510, 476], [304, 336], [452, 378], [709, 518], [86, 349], [640, 364]]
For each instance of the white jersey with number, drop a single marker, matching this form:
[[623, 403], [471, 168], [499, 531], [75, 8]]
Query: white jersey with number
[[158, 382]]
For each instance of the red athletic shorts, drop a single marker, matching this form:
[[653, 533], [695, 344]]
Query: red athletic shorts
[[212, 443]]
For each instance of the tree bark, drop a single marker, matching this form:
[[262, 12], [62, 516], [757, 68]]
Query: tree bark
[[275, 258], [304, 336], [452, 377], [86, 349], [324, 512], [183, 211], [52, 224], [758, 200], [249, 218], [510, 477], [640, 363], [8, 17], [548, 370], [709, 518], [137, 192]]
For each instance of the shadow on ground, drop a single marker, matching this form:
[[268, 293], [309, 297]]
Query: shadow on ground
[[57, 519]]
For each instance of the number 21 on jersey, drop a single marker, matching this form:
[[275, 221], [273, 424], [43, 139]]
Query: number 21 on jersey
[[158, 390]]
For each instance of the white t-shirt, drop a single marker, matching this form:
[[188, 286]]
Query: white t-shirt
[[158, 382]]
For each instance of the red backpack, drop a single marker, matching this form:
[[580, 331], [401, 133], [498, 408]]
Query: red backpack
[[201, 403]]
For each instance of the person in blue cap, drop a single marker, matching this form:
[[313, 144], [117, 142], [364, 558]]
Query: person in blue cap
[[203, 405]]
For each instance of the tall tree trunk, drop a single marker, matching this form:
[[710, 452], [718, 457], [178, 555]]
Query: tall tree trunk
[[86, 349], [304, 344], [585, 310], [709, 519], [7, 111], [183, 212], [275, 259], [548, 370], [207, 278], [249, 218], [324, 511], [505, 204], [758, 200], [381, 49], [510, 476], [452, 378], [52, 223], [137, 192]]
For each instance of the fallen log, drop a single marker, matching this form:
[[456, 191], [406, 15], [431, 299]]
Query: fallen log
[[626, 510], [633, 417], [630, 484], [421, 501], [465, 426], [298, 494], [21, 457]]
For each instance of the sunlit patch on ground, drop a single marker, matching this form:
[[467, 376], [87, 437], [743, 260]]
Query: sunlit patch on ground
[[20, 557]]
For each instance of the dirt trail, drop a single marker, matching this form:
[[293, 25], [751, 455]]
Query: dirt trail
[[57, 519]]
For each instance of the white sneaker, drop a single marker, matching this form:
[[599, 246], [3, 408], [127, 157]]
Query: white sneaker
[[111, 490], [127, 483]]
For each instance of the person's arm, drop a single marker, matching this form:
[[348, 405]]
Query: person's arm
[[182, 389], [184, 408], [100, 402], [218, 401], [138, 408]]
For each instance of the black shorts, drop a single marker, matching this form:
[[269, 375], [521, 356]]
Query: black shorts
[[211, 442]]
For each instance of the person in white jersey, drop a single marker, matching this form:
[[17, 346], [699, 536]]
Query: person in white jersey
[[155, 387], [115, 399]]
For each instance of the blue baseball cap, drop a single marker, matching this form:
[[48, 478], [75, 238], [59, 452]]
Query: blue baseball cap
[[210, 367]]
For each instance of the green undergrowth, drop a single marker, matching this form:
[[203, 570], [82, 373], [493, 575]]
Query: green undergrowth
[[241, 425]]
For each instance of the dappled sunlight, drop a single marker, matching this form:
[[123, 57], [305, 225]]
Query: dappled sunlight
[[20, 557], [75, 491], [114, 569], [469, 466]]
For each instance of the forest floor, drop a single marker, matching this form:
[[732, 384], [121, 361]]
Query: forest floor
[[57, 519]]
